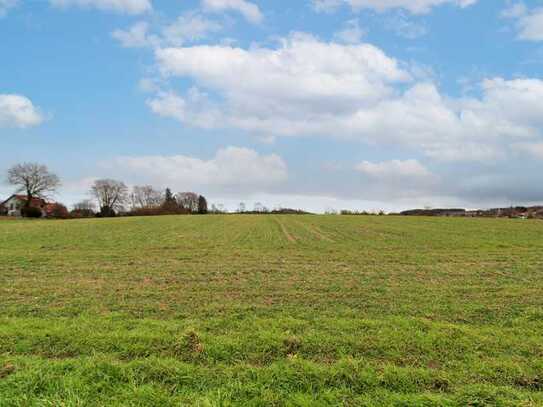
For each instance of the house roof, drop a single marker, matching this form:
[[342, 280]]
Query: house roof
[[35, 201]]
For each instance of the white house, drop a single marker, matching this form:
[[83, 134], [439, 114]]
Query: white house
[[13, 205]]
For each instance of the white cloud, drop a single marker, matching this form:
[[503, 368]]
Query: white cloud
[[5, 5], [396, 178], [534, 150], [413, 6], [231, 170], [301, 70], [529, 23], [120, 6], [351, 33], [18, 111], [136, 36], [249, 10], [515, 10], [306, 87], [187, 28], [393, 169], [531, 26], [168, 105], [405, 27]]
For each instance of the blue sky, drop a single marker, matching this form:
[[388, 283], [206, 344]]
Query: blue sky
[[369, 104]]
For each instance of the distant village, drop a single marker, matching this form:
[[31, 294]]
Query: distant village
[[517, 212]]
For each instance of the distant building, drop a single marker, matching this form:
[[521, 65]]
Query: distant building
[[15, 203]]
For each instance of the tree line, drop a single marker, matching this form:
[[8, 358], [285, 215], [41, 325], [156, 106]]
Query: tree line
[[114, 197], [109, 197]]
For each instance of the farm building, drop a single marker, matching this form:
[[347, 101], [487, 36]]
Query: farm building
[[13, 205]]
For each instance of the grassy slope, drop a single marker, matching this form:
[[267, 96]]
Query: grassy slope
[[300, 310]]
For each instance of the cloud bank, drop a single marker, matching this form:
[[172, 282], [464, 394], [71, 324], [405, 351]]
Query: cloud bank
[[306, 87]]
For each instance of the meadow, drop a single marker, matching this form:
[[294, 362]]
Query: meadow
[[271, 311]]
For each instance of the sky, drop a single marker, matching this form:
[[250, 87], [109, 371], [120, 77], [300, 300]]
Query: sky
[[313, 104]]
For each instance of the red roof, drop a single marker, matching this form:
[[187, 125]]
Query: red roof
[[36, 202]]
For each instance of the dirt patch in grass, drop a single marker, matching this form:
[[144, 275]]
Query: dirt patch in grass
[[6, 370]]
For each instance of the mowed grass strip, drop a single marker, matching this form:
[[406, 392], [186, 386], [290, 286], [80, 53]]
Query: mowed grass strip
[[230, 310]]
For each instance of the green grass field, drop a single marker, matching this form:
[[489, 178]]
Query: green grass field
[[271, 310]]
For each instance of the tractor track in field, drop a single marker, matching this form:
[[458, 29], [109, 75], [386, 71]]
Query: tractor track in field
[[286, 233], [316, 232]]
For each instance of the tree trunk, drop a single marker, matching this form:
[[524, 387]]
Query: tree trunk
[[28, 200]]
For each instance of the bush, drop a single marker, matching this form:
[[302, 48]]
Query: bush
[[106, 212], [162, 210], [31, 212], [58, 211], [82, 213]]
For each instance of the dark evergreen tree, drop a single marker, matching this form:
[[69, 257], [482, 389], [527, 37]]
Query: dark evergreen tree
[[170, 204], [202, 205], [168, 196]]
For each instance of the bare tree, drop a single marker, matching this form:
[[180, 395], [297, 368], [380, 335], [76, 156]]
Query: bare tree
[[242, 207], [188, 201], [110, 194], [34, 179], [85, 205], [84, 209], [217, 208], [145, 197]]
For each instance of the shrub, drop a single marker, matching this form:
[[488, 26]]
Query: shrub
[[162, 210], [58, 211], [31, 212], [82, 213], [106, 212]]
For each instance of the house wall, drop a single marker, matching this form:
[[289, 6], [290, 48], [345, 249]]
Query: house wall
[[14, 206]]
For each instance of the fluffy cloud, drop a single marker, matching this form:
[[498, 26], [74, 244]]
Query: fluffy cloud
[[120, 6], [232, 169], [18, 111], [302, 70], [306, 87], [249, 10], [413, 6], [529, 22], [5, 5]]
